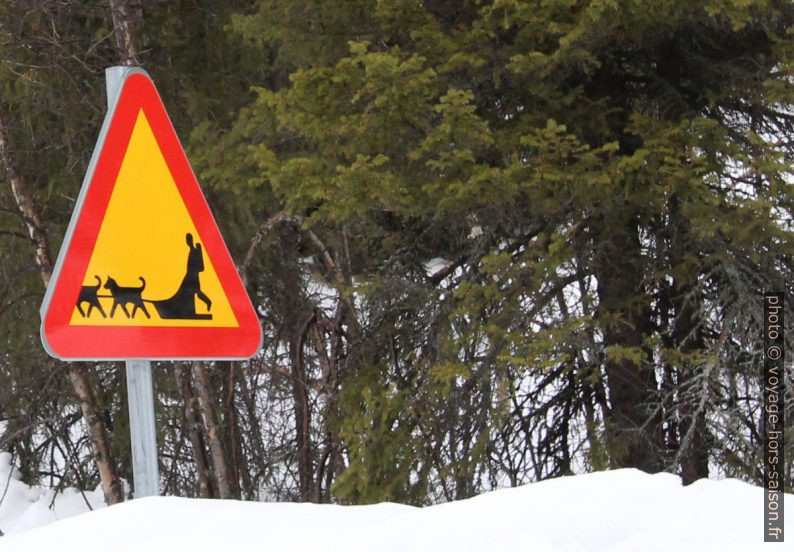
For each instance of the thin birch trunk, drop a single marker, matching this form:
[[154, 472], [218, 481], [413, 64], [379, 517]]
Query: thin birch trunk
[[122, 25], [100, 440], [214, 439], [193, 419]]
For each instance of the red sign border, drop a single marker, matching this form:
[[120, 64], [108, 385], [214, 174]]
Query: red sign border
[[68, 342]]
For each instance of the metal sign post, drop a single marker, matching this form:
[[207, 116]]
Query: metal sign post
[[143, 437], [140, 394]]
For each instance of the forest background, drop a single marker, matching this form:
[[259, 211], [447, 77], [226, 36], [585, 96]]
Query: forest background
[[491, 242]]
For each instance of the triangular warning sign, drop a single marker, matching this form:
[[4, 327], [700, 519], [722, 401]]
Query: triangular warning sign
[[143, 271]]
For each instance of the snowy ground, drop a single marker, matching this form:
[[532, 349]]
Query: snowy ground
[[622, 510], [22, 507]]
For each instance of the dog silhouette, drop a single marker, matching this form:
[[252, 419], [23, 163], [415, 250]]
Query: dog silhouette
[[88, 294], [122, 296]]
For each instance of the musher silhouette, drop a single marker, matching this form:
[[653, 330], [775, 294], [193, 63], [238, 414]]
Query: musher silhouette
[[182, 305]]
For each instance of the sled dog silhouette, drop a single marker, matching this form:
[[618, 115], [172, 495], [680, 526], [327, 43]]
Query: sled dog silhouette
[[122, 296], [88, 294]]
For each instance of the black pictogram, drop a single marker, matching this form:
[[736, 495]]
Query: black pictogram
[[122, 296], [89, 294], [180, 306]]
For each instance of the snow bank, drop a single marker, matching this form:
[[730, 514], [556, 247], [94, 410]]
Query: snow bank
[[23, 507], [615, 511]]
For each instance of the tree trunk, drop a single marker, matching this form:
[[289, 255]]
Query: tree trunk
[[298, 316], [258, 455], [687, 337], [300, 396], [193, 420], [122, 25], [100, 442], [214, 437], [633, 421], [695, 437], [237, 473]]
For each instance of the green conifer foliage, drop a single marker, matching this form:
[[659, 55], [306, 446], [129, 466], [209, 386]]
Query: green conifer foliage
[[606, 182]]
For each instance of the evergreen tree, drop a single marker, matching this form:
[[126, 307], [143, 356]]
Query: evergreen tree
[[599, 180]]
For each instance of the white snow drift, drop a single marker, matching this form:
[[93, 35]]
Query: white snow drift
[[622, 510]]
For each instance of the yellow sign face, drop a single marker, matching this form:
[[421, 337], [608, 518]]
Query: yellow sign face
[[148, 267]]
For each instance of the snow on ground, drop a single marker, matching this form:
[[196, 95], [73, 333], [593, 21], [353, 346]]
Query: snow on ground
[[615, 511], [23, 507]]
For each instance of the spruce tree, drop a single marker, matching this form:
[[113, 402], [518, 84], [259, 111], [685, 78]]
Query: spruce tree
[[606, 183]]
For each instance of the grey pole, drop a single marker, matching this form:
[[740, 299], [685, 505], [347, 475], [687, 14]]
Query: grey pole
[[140, 396], [145, 473]]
